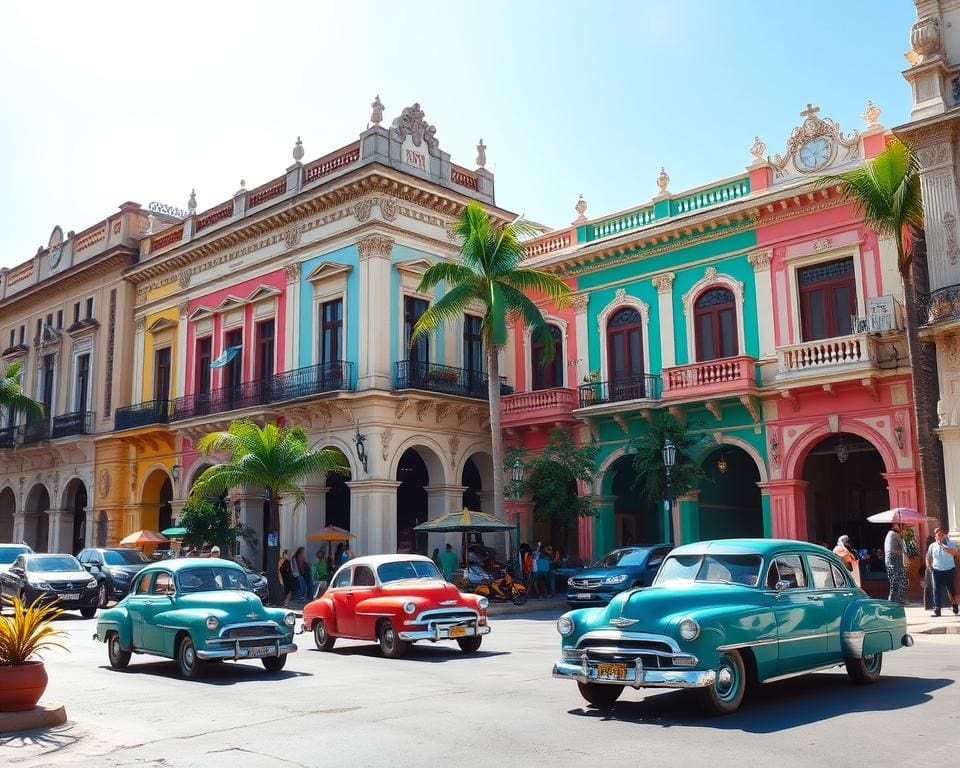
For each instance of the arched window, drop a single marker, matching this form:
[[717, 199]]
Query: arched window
[[547, 374], [625, 347], [715, 318]]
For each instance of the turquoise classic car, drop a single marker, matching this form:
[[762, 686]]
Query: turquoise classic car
[[724, 614], [195, 611]]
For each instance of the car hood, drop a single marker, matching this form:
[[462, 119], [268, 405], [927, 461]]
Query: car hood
[[436, 589], [132, 568], [605, 573], [78, 577], [663, 601], [233, 602]]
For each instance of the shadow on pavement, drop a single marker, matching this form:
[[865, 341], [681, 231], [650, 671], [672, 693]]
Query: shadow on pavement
[[777, 706], [419, 652], [222, 673], [50, 740]]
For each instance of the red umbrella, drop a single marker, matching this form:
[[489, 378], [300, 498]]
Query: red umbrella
[[140, 538]]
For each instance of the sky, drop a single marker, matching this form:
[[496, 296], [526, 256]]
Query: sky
[[106, 102]]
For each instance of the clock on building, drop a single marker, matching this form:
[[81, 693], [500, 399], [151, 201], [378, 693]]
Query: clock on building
[[814, 154]]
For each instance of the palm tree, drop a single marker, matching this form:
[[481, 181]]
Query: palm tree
[[489, 273], [14, 399], [276, 458], [886, 192]]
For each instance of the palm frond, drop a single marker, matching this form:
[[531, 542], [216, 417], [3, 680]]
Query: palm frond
[[548, 285], [444, 271], [448, 308]]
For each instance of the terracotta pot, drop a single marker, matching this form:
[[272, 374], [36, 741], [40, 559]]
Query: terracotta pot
[[21, 686]]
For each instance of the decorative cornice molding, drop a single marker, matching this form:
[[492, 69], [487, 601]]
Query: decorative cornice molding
[[579, 302], [663, 282], [292, 271], [375, 246], [760, 260]]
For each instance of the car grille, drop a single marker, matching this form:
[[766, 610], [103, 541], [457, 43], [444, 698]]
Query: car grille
[[68, 586], [585, 583], [446, 616], [238, 633], [652, 653]]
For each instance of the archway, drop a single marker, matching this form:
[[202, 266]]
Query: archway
[[75, 500], [8, 508], [729, 504], [36, 529], [471, 479], [156, 512], [636, 520], [337, 502], [413, 476]]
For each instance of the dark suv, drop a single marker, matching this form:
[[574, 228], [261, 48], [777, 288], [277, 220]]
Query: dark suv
[[614, 572], [113, 569]]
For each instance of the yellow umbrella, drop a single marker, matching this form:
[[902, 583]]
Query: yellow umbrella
[[331, 533]]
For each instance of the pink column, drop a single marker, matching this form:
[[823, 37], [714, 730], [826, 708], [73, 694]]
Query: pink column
[[585, 538], [902, 487], [788, 508]]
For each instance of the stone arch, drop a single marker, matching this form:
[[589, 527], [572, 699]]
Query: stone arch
[[623, 300], [8, 508], [347, 448], [36, 525], [729, 502], [477, 468], [737, 442], [74, 503], [198, 467], [151, 481], [711, 279], [156, 512], [797, 453], [430, 451], [604, 479]]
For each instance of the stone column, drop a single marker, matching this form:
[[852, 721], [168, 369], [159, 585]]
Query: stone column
[[248, 509], [181, 361], [585, 538], [440, 500], [580, 302], [291, 317], [760, 260], [938, 184], [374, 366], [89, 534], [292, 523], [59, 530], [950, 437], [315, 510], [664, 285], [140, 325], [19, 527], [373, 515], [788, 508]]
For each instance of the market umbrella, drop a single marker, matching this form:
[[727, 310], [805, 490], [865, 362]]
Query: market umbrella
[[331, 533], [461, 522], [898, 515], [174, 533], [139, 538]]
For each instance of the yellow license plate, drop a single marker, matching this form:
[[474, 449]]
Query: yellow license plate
[[612, 671], [458, 631]]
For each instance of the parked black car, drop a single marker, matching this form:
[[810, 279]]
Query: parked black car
[[113, 569], [258, 582], [614, 572], [50, 577]]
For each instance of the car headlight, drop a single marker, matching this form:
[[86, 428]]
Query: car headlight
[[615, 579], [120, 575], [565, 626], [212, 622], [689, 629], [289, 619], [483, 603], [91, 584], [410, 607], [39, 584]]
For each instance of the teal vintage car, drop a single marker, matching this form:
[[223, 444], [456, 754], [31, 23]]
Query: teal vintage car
[[724, 614], [195, 611]]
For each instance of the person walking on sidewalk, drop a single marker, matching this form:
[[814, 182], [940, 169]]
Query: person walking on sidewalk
[[894, 554], [943, 569], [448, 562]]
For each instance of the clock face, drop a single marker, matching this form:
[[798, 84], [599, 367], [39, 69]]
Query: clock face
[[814, 154]]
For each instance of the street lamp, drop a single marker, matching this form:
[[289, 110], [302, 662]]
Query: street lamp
[[669, 454], [516, 472]]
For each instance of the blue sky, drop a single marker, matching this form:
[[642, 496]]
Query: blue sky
[[110, 102]]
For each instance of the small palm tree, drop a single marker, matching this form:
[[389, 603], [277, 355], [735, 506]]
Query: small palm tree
[[886, 192], [14, 399], [276, 458], [489, 273]]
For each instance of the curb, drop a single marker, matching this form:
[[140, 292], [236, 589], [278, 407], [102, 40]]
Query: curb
[[41, 716]]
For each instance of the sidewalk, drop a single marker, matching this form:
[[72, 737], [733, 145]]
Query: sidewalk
[[921, 622]]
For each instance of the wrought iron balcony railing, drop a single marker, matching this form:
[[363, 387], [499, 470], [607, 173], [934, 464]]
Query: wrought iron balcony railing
[[36, 431], [76, 423], [939, 306], [142, 414], [446, 379], [645, 387], [312, 380], [8, 436]]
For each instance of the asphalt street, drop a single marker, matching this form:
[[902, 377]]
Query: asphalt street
[[437, 707]]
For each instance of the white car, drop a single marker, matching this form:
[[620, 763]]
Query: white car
[[9, 553]]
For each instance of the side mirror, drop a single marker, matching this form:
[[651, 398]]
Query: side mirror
[[16, 569], [170, 592], [782, 585]]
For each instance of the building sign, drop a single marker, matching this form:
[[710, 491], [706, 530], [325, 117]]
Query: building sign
[[416, 156]]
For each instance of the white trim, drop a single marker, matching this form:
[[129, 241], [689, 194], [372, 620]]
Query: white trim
[[528, 351], [737, 442], [710, 279], [335, 289], [800, 262], [434, 340], [621, 300], [81, 349]]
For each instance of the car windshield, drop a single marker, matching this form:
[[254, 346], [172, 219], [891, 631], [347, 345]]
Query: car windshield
[[407, 569], [125, 557], [53, 563], [717, 568], [9, 554], [620, 557], [212, 579]]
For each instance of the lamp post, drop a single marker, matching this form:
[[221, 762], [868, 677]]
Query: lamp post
[[517, 471], [669, 454]]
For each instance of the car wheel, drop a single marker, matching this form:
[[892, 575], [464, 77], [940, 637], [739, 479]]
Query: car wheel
[[88, 613], [321, 639], [117, 657], [518, 593], [865, 670], [190, 666], [600, 695], [102, 594], [725, 695], [391, 646], [274, 663], [470, 644]]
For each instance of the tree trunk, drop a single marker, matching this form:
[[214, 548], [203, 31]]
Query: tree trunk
[[496, 437], [276, 589], [926, 393]]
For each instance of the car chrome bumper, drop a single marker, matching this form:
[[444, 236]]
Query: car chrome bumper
[[636, 676], [442, 633], [236, 653]]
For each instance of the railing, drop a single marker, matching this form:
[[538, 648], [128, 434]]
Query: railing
[[301, 382], [8, 436], [726, 373], [706, 198], [558, 398], [941, 305], [645, 387], [330, 163], [36, 431], [615, 226], [142, 414], [464, 178], [445, 379], [214, 215], [166, 238], [268, 191], [546, 244], [88, 239], [245, 395], [827, 353], [76, 423]]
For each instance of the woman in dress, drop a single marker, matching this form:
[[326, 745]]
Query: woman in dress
[[287, 581], [845, 552]]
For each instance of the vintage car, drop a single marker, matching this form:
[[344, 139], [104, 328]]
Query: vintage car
[[195, 611], [724, 614], [395, 600]]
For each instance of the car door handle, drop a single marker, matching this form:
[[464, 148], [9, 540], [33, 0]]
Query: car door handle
[[814, 597], [847, 594]]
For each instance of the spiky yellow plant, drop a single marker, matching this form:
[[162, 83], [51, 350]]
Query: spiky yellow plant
[[28, 631]]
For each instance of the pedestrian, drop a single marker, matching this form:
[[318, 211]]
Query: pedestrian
[[346, 554], [542, 572], [287, 581], [525, 563], [894, 557], [436, 556], [321, 573], [303, 569], [295, 570], [943, 569], [926, 577], [448, 562], [337, 556], [845, 552], [215, 551]]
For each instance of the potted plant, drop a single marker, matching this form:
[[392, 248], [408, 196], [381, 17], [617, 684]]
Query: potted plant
[[591, 392], [23, 678]]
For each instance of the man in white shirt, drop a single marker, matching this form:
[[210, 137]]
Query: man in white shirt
[[942, 567]]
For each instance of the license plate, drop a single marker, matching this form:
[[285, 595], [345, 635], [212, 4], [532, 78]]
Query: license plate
[[458, 631], [71, 596], [612, 671], [583, 595], [263, 650]]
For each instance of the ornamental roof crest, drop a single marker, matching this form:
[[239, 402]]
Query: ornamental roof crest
[[412, 123], [841, 148]]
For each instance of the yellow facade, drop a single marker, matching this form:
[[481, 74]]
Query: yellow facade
[[161, 332]]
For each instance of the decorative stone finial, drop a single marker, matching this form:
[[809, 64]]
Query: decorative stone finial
[[376, 115], [663, 181], [298, 151], [481, 154], [581, 209], [243, 188], [192, 202], [758, 150], [151, 220], [871, 114]]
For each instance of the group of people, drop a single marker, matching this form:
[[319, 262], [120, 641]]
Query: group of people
[[302, 581], [539, 569]]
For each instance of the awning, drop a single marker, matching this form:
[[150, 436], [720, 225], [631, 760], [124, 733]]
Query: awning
[[225, 357]]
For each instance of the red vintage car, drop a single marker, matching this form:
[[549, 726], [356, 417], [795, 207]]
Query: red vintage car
[[395, 600]]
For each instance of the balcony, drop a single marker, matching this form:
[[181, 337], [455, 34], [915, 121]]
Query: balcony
[[8, 436], [645, 387], [826, 356], [289, 385], [941, 306], [727, 376], [76, 423], [445, 379], [541, 406], [142, 415], [36, 431]]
